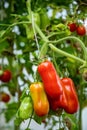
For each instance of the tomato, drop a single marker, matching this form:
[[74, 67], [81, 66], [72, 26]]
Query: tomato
[[4, 97], [39, 97], [26, 108], [72, 27], [81, 30], [70, 95], [50, 78], [6, 76]]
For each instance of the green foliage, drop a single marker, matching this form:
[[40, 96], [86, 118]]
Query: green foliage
[[11, 111]]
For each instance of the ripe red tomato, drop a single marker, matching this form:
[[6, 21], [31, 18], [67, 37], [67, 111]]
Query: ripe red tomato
[[5, 97], [72, 27], [81, 30], [6, 76]]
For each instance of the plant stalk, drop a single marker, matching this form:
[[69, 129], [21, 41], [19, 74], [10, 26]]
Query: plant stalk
[[74, 38], [80, 110], [66, 54]]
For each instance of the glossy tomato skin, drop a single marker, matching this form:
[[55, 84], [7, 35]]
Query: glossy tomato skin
[[6, 76], [72, 27], [4, 97], [71, 96], [50, 78], [81, 30], [60, 102], [39, 97]]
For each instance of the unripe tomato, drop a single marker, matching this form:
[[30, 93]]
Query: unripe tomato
[[4, 97], [6, 76], [26, 108], [81, 30], [72, 27]]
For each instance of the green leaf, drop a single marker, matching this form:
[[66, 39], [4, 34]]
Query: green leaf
[[38, 119], [3, 45], [70, 120], [11, 111], [18, 121]]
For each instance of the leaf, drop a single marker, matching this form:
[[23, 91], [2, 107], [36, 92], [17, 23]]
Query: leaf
[[11, 111], [2, 33], [24, 93], [27, 129], [3, 45], [38, 119], [18, 121], [70, 121]]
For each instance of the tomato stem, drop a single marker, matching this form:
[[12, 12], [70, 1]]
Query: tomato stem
[[80, 110], [45, 39], [66, 54], [74, 38]]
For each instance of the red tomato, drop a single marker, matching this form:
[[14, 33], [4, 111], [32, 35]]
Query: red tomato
[[70, 95], [72, 27], [6, 76], [81, 30], [5, 97], [50, 78]]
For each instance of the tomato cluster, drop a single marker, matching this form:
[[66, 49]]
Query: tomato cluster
[[61, 92], [52, 93], [80, 29]]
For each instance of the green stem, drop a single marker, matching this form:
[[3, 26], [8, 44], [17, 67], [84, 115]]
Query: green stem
[[45, 39], [45, 44], [56, 66], [22, 22], [10, 26], [80, 110], [28, 3], [62, 39], [56, 33], [74, 38], [66, 54]]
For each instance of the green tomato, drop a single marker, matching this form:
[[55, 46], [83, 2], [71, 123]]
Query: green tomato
[[26, 108]]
